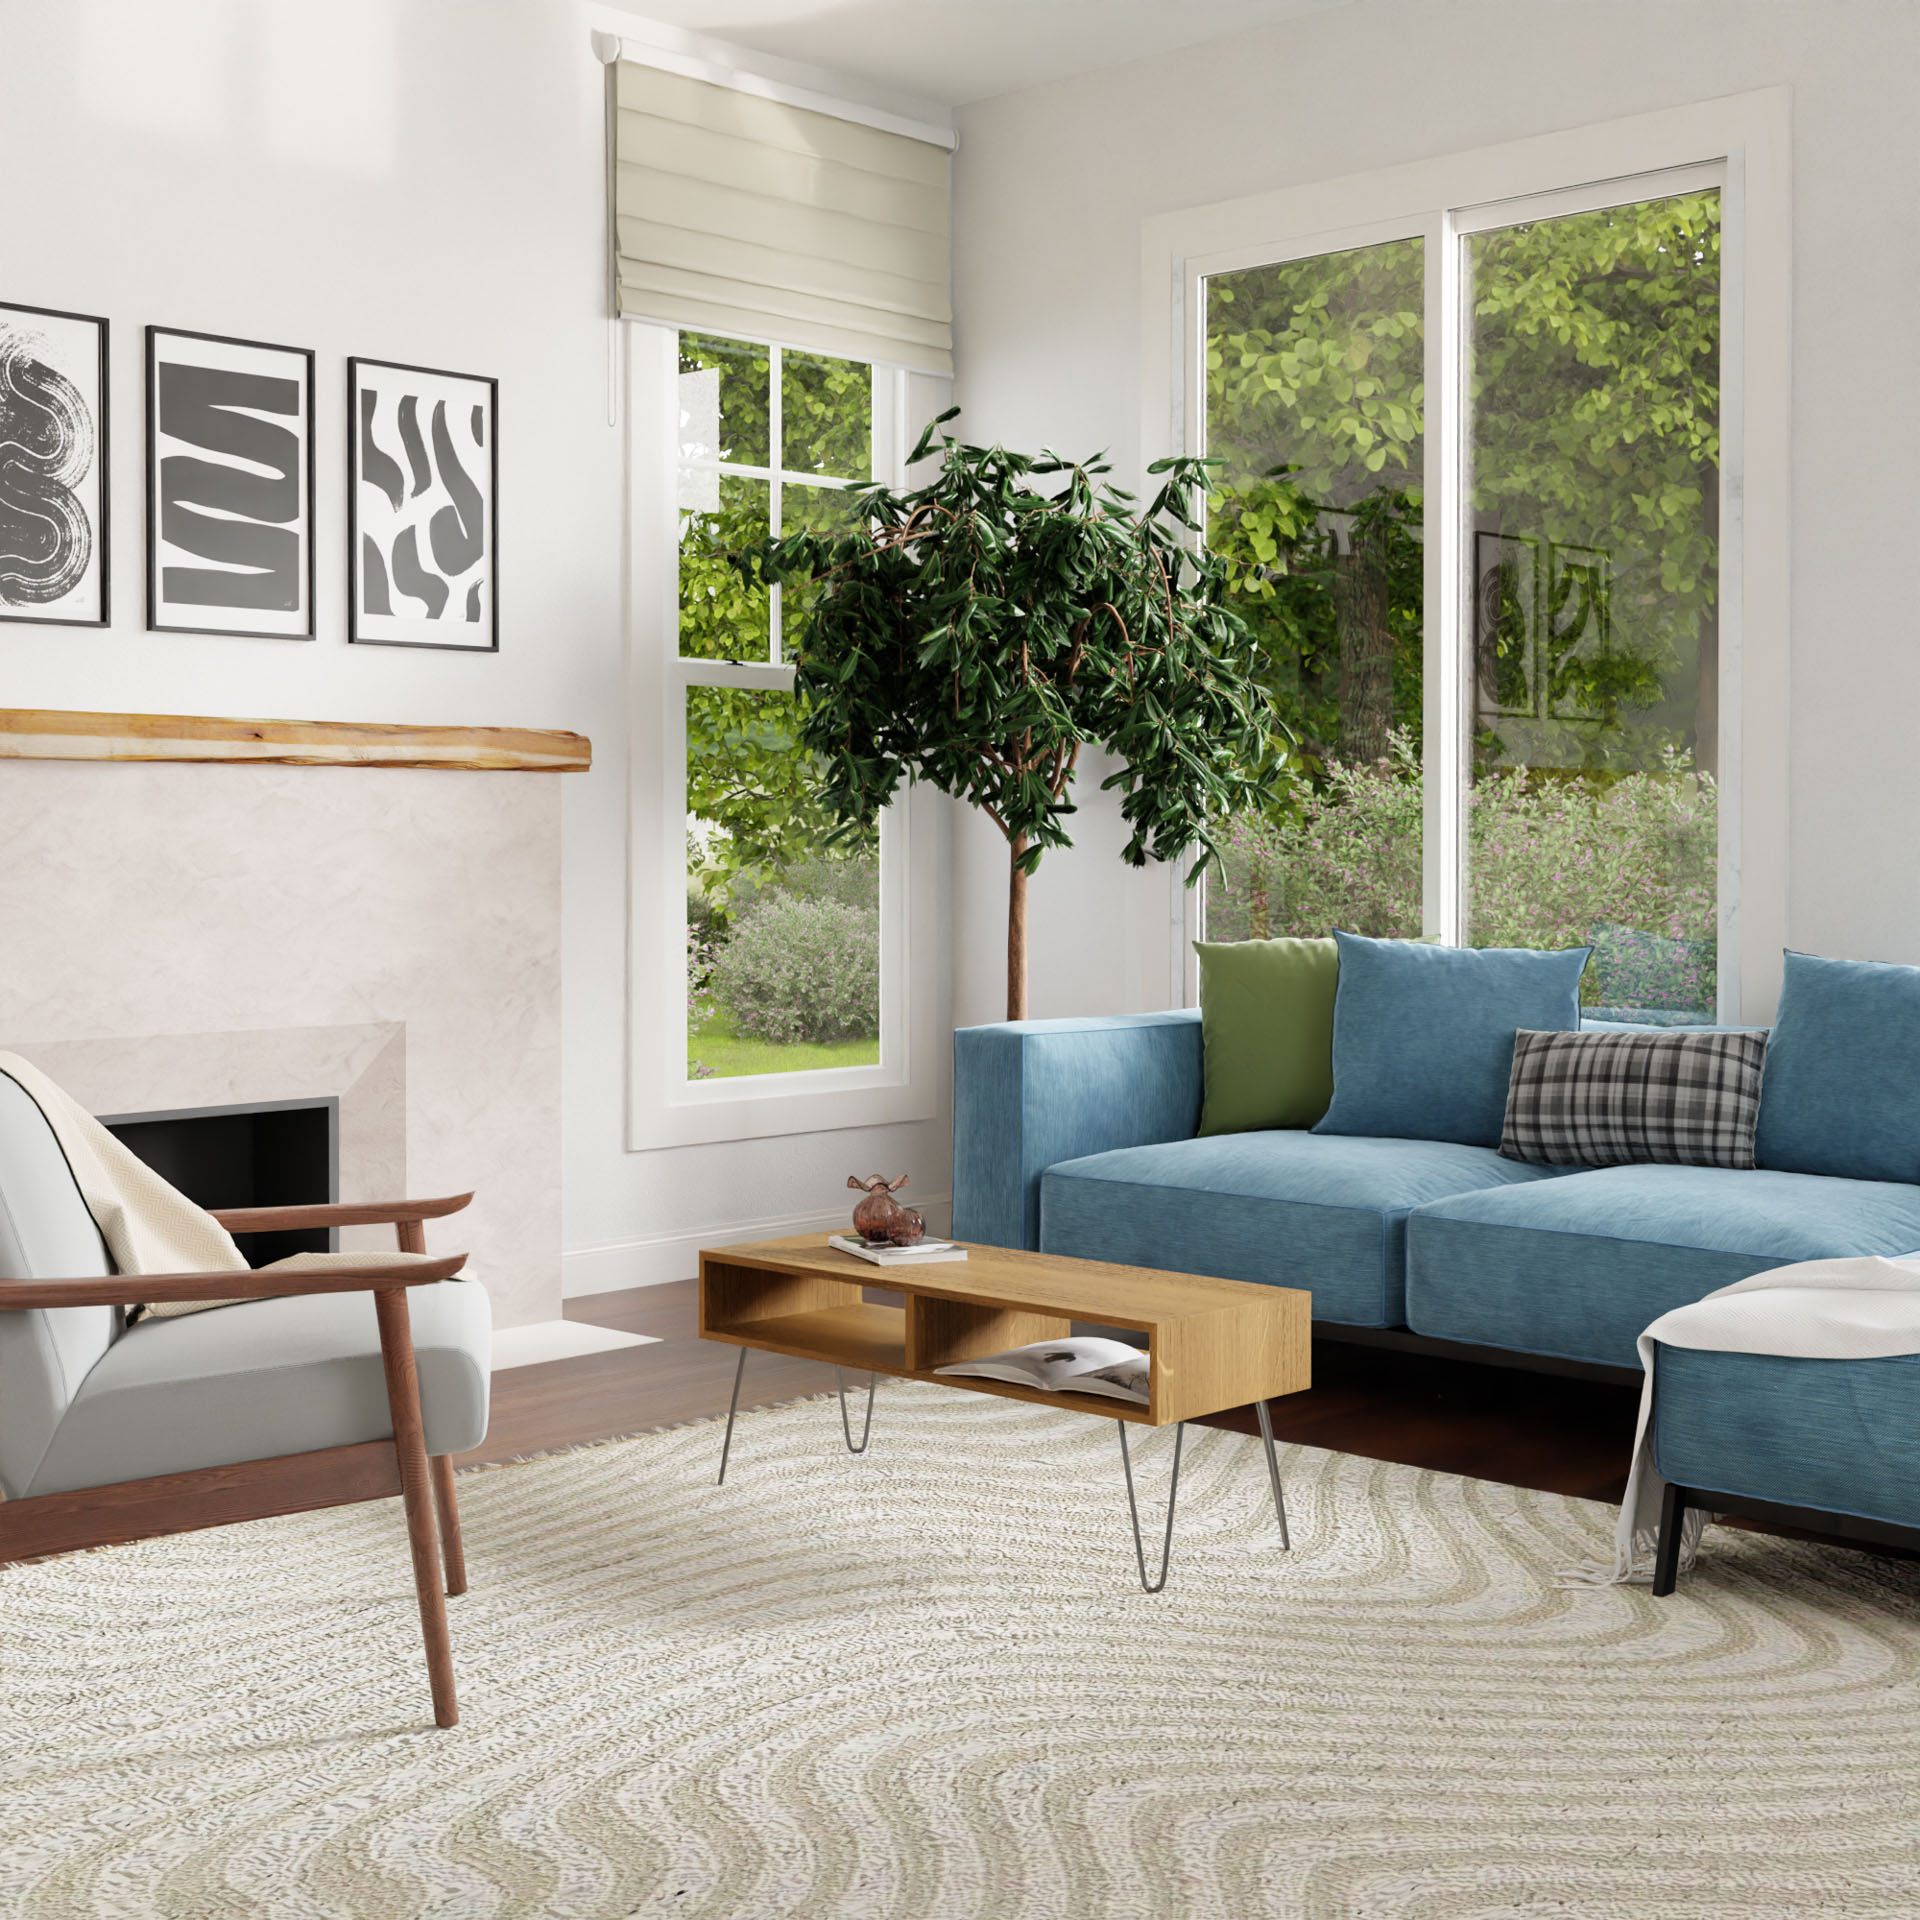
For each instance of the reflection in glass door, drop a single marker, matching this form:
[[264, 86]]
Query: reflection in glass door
[[1591, 450], [1315, 410]]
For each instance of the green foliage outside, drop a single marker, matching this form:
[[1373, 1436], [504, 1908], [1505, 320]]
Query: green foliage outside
[[753, 791], [1595, 387], [1315, 411], [800, 970], [1555, 864]]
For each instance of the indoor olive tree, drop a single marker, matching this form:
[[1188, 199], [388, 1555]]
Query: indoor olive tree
[[977, 632]]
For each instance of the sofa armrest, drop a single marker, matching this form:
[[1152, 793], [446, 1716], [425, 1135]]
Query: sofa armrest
[[1031, 1093]]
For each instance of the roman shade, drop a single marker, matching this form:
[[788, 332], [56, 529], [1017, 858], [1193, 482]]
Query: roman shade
[[739, 214]]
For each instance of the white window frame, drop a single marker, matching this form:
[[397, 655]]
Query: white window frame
[[665, 1108], [1740, 144]]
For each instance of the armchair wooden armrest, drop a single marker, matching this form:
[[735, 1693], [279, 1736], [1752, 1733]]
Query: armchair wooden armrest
[[129, 1289], [349, 1213]]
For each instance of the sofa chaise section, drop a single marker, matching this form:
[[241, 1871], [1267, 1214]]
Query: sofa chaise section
[[1576, 1269], [1830, 1436]]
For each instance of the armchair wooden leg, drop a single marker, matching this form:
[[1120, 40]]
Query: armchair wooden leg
[[452, 1553], [410, 1448]]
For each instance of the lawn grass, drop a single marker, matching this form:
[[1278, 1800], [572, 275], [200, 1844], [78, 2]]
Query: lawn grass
[[714, 1044]]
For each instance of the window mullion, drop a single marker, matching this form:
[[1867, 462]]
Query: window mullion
[[1446, 623], [776, 492]]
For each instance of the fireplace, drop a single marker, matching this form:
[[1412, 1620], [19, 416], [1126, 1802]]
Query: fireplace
[[367, 916], [263, 1153]]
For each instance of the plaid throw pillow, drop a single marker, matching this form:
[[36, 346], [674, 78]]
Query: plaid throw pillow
[[1625, 1099]]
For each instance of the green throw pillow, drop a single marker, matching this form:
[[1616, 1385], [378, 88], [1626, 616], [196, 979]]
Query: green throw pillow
[[1266, 1026]]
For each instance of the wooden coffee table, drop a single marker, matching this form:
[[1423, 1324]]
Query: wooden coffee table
[[1214, 1344]]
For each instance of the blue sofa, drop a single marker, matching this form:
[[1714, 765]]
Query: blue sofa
[[1079, 1137]]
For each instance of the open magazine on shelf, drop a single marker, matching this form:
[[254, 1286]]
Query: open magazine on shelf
[[1087, 1363]]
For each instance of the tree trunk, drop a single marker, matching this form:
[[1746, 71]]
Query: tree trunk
[[1366, 651], [1017, 933]]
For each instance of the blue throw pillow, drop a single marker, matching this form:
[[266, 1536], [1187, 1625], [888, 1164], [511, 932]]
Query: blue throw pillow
[[1423, 1036], [1841, 1093]]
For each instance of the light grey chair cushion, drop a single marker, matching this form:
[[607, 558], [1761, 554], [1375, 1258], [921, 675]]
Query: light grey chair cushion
[[269, 1378], [46, 1233]]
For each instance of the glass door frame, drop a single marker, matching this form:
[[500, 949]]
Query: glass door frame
[[1730, 145]]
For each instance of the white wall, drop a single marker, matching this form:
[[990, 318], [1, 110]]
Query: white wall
[[1052, 185], [415, 180]]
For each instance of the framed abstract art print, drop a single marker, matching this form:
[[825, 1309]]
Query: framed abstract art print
[[423, 472], [229, 486], [53, 467]]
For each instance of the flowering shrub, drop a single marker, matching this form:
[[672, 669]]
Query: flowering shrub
[[1625, 864], [798, 969]]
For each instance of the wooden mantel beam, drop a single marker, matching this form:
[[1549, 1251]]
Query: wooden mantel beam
[[27, 733]]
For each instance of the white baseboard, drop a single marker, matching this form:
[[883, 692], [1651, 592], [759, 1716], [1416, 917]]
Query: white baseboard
[[663, 1257]]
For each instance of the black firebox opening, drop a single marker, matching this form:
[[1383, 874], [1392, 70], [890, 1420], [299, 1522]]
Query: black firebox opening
[[274, 1154]]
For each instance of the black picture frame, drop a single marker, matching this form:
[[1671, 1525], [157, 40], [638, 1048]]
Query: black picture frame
[[366, 626], [101, 520], [307, 568]]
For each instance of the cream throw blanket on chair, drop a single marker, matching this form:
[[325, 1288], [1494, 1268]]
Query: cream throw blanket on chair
[[149, 1226], [1865, 1308]]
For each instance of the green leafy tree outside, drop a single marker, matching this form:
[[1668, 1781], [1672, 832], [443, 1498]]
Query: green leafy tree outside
[[1594, 396]]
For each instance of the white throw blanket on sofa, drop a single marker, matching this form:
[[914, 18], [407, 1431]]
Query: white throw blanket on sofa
[[149, 1226], [1867, 1308]]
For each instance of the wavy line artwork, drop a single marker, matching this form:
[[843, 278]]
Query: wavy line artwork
[[423, 509], [229, 486], [47, 449], [241, 508]]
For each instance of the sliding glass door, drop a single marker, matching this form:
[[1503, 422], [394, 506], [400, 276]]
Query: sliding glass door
[[1591, 490], [1565, 420]]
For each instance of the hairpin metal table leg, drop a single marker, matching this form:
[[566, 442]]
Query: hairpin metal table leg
[[1133, 1507], [1273, 1474], [726, 1445], [846, 1425]]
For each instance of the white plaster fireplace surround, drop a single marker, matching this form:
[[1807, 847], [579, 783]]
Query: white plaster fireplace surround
[[207, 934]]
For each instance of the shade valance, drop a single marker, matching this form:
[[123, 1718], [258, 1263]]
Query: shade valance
[[738, 214]]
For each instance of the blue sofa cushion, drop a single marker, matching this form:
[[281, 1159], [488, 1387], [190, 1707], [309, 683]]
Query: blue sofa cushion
[[1842, 1091], [1841, 1435], [1579, 1267], [1290, 1208], [1423, 1036]]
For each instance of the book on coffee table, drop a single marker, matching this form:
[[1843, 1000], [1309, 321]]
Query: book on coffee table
[[920, 1254], [1087, 1363]]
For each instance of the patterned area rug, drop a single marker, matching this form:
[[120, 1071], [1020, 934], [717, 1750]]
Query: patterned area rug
[[925, 1683]]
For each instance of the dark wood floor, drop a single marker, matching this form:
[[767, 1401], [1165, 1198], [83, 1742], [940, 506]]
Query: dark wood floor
[[1493, 1423]]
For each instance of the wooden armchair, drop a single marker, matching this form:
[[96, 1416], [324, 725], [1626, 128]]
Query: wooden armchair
[[272, 1406]]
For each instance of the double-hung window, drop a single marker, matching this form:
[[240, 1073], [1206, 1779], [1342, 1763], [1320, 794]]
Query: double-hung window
[[782, 913], [773, 951]]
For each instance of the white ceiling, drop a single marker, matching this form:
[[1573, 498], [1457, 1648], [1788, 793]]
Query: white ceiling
[[955, 51]]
